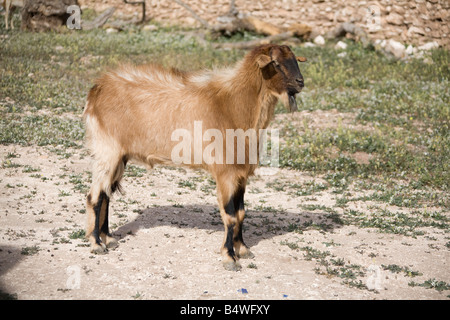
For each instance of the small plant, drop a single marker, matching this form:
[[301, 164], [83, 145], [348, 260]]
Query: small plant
[[397, 269], [29, 251], [290, 245], [137, 296], [187, 184], [63, 193], [77, 234], [431, 284]]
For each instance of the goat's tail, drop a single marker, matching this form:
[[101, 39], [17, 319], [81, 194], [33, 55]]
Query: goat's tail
[[92, 98]]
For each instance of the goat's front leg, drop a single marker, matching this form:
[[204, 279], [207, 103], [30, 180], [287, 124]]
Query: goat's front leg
[[231, 205], [241, 249], [230, 221]]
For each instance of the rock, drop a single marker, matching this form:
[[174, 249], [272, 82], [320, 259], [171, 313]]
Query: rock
[[396, 48], [428, 46], [190, 21], [308, 45], [111, 30], [319, 40], [380, 43], [415, 30], [340, 45], [395, 19], [410, 50], [398, 9], [150, 27], [342, 54]]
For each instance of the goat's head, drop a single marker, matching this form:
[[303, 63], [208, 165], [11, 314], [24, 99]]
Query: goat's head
[[281, 73]]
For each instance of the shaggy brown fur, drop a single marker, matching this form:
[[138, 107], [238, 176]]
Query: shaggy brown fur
[[132, 112]]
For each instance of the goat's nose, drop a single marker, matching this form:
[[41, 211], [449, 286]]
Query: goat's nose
[[300, 82]]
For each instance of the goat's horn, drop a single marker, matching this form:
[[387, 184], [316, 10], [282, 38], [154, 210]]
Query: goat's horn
[[301, 59]]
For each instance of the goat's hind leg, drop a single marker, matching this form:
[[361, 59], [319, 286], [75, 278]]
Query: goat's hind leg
[[98, 224], [98, 207], [105, 235]]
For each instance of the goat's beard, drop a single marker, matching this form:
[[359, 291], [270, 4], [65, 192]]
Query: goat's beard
[[289, 101], [292, 103]]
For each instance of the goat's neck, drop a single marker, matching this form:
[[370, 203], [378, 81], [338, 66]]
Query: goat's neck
[[266, 110], [253, 105]]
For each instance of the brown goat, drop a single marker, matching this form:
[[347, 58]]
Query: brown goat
[[132, 112]]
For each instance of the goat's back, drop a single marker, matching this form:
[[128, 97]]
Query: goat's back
[[139, 107]]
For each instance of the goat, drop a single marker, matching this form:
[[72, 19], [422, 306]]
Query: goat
[[131, 113], [9, 6]]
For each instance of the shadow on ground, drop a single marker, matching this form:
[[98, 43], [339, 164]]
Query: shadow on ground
[[258, 225], [9, 257]]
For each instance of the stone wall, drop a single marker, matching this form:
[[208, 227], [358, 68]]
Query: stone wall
[[408, 21]]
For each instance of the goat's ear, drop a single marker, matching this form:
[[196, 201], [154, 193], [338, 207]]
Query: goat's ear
[[263, 60], [301, 59]]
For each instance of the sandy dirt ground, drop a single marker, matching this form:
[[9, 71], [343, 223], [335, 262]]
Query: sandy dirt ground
[[169, 232]]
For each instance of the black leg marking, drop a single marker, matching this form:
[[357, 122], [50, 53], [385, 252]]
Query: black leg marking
[[97, 210], [105, 227], [239, 205], [233, 235], [238, 198], [229, 207], [229, 241], [239, 235], [115, 186]]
